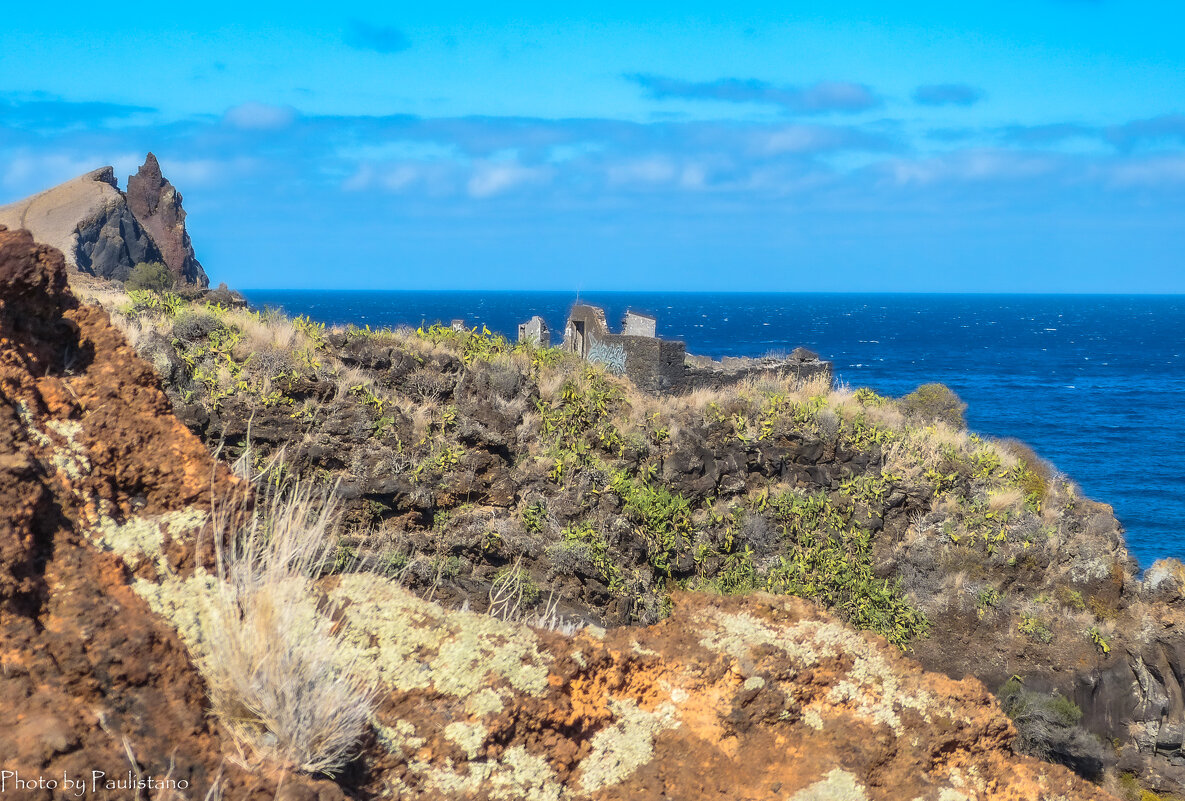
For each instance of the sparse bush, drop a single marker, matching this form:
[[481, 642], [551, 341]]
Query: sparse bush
[[512, 590], [535, 516], [1033, 475], [1035, 628], [280, 677], [1047, 727], [151, 276], [935, 403], [195, 326], [662, 519]]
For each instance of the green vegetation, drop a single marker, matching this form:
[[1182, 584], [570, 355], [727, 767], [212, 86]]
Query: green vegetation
[[662, 519], [584, 536], [1130, 789], [935, 403], [150, 276], [580, 421], [472, 344], [822, 558], [593, 455], [534, 517], [1046, 724], [1034, 628]]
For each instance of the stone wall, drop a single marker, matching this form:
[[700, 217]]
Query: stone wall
[[652, 364], [705, 373], [663, 365]]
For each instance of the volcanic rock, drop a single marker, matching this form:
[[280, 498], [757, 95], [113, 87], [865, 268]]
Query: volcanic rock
[[744, 698], [103, 232], [88, 220], [90, 678], [156, 204]]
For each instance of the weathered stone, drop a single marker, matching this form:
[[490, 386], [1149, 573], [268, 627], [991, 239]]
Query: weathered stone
[[104, 232], [89, 221], [156, 204]]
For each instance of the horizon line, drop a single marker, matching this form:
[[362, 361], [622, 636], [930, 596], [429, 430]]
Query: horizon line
[[577, 293]]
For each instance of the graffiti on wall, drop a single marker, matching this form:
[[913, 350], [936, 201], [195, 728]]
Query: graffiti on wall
[[611, 356]]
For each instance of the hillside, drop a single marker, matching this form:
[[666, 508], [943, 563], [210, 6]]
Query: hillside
[[125, 540], [468, 465], [104, 232]]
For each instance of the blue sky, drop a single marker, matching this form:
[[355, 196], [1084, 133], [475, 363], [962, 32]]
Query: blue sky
[[841, 146]]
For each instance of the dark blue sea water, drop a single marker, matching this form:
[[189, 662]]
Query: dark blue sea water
[[1096, 384]]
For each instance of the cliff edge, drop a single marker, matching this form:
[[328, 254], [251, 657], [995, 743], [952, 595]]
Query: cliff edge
[[101, 585], [105, 232]]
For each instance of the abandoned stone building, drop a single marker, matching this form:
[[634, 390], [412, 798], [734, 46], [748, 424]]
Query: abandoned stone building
[[654, 364], [536, 332]]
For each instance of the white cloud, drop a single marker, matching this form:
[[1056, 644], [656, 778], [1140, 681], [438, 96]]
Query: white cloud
[[26, 173], [1152, 172], [490, 179], [656, 170], [259, 116], [970, 166]]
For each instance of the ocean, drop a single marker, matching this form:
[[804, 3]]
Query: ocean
[[1095, 384]]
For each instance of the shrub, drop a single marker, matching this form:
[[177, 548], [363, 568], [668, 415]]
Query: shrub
[[512, 589], [280, 677], [662, 519], [935, 403], [1032, 475], [150, 275], [1047, 727]]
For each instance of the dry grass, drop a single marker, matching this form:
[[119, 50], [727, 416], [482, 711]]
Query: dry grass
[[268, 330], [1008, 499], [289, 690]]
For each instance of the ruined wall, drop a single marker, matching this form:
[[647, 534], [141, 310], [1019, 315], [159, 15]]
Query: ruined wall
[[639, 325], [654, 365], [663, 365], [536, 332], [706, 373]]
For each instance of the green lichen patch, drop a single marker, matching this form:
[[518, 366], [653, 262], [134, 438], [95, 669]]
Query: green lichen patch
[[469, 737], [837, 785], [142, 539], [185, 603], [413, 644], [69, 459], [399, 738], [517, 776], [626, 745], [484, 702], [871, 690]]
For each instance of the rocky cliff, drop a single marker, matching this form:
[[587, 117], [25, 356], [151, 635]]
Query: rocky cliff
[[103, 232], [107, 632], [156, 204], [91, 679], [461, 457]]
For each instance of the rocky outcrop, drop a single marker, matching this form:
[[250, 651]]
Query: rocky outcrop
[[90, 678], [608, 497], [746, 698], [89, 221], [707, 373], [99, 231], [156, 204]]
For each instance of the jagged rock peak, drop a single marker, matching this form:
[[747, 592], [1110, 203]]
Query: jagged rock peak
[[105, 232], [156, 204]]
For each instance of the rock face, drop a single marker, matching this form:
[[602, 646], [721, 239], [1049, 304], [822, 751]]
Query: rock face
[[99, 232], [745, 698], [90, 679], [454, 457], [156, 204]]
